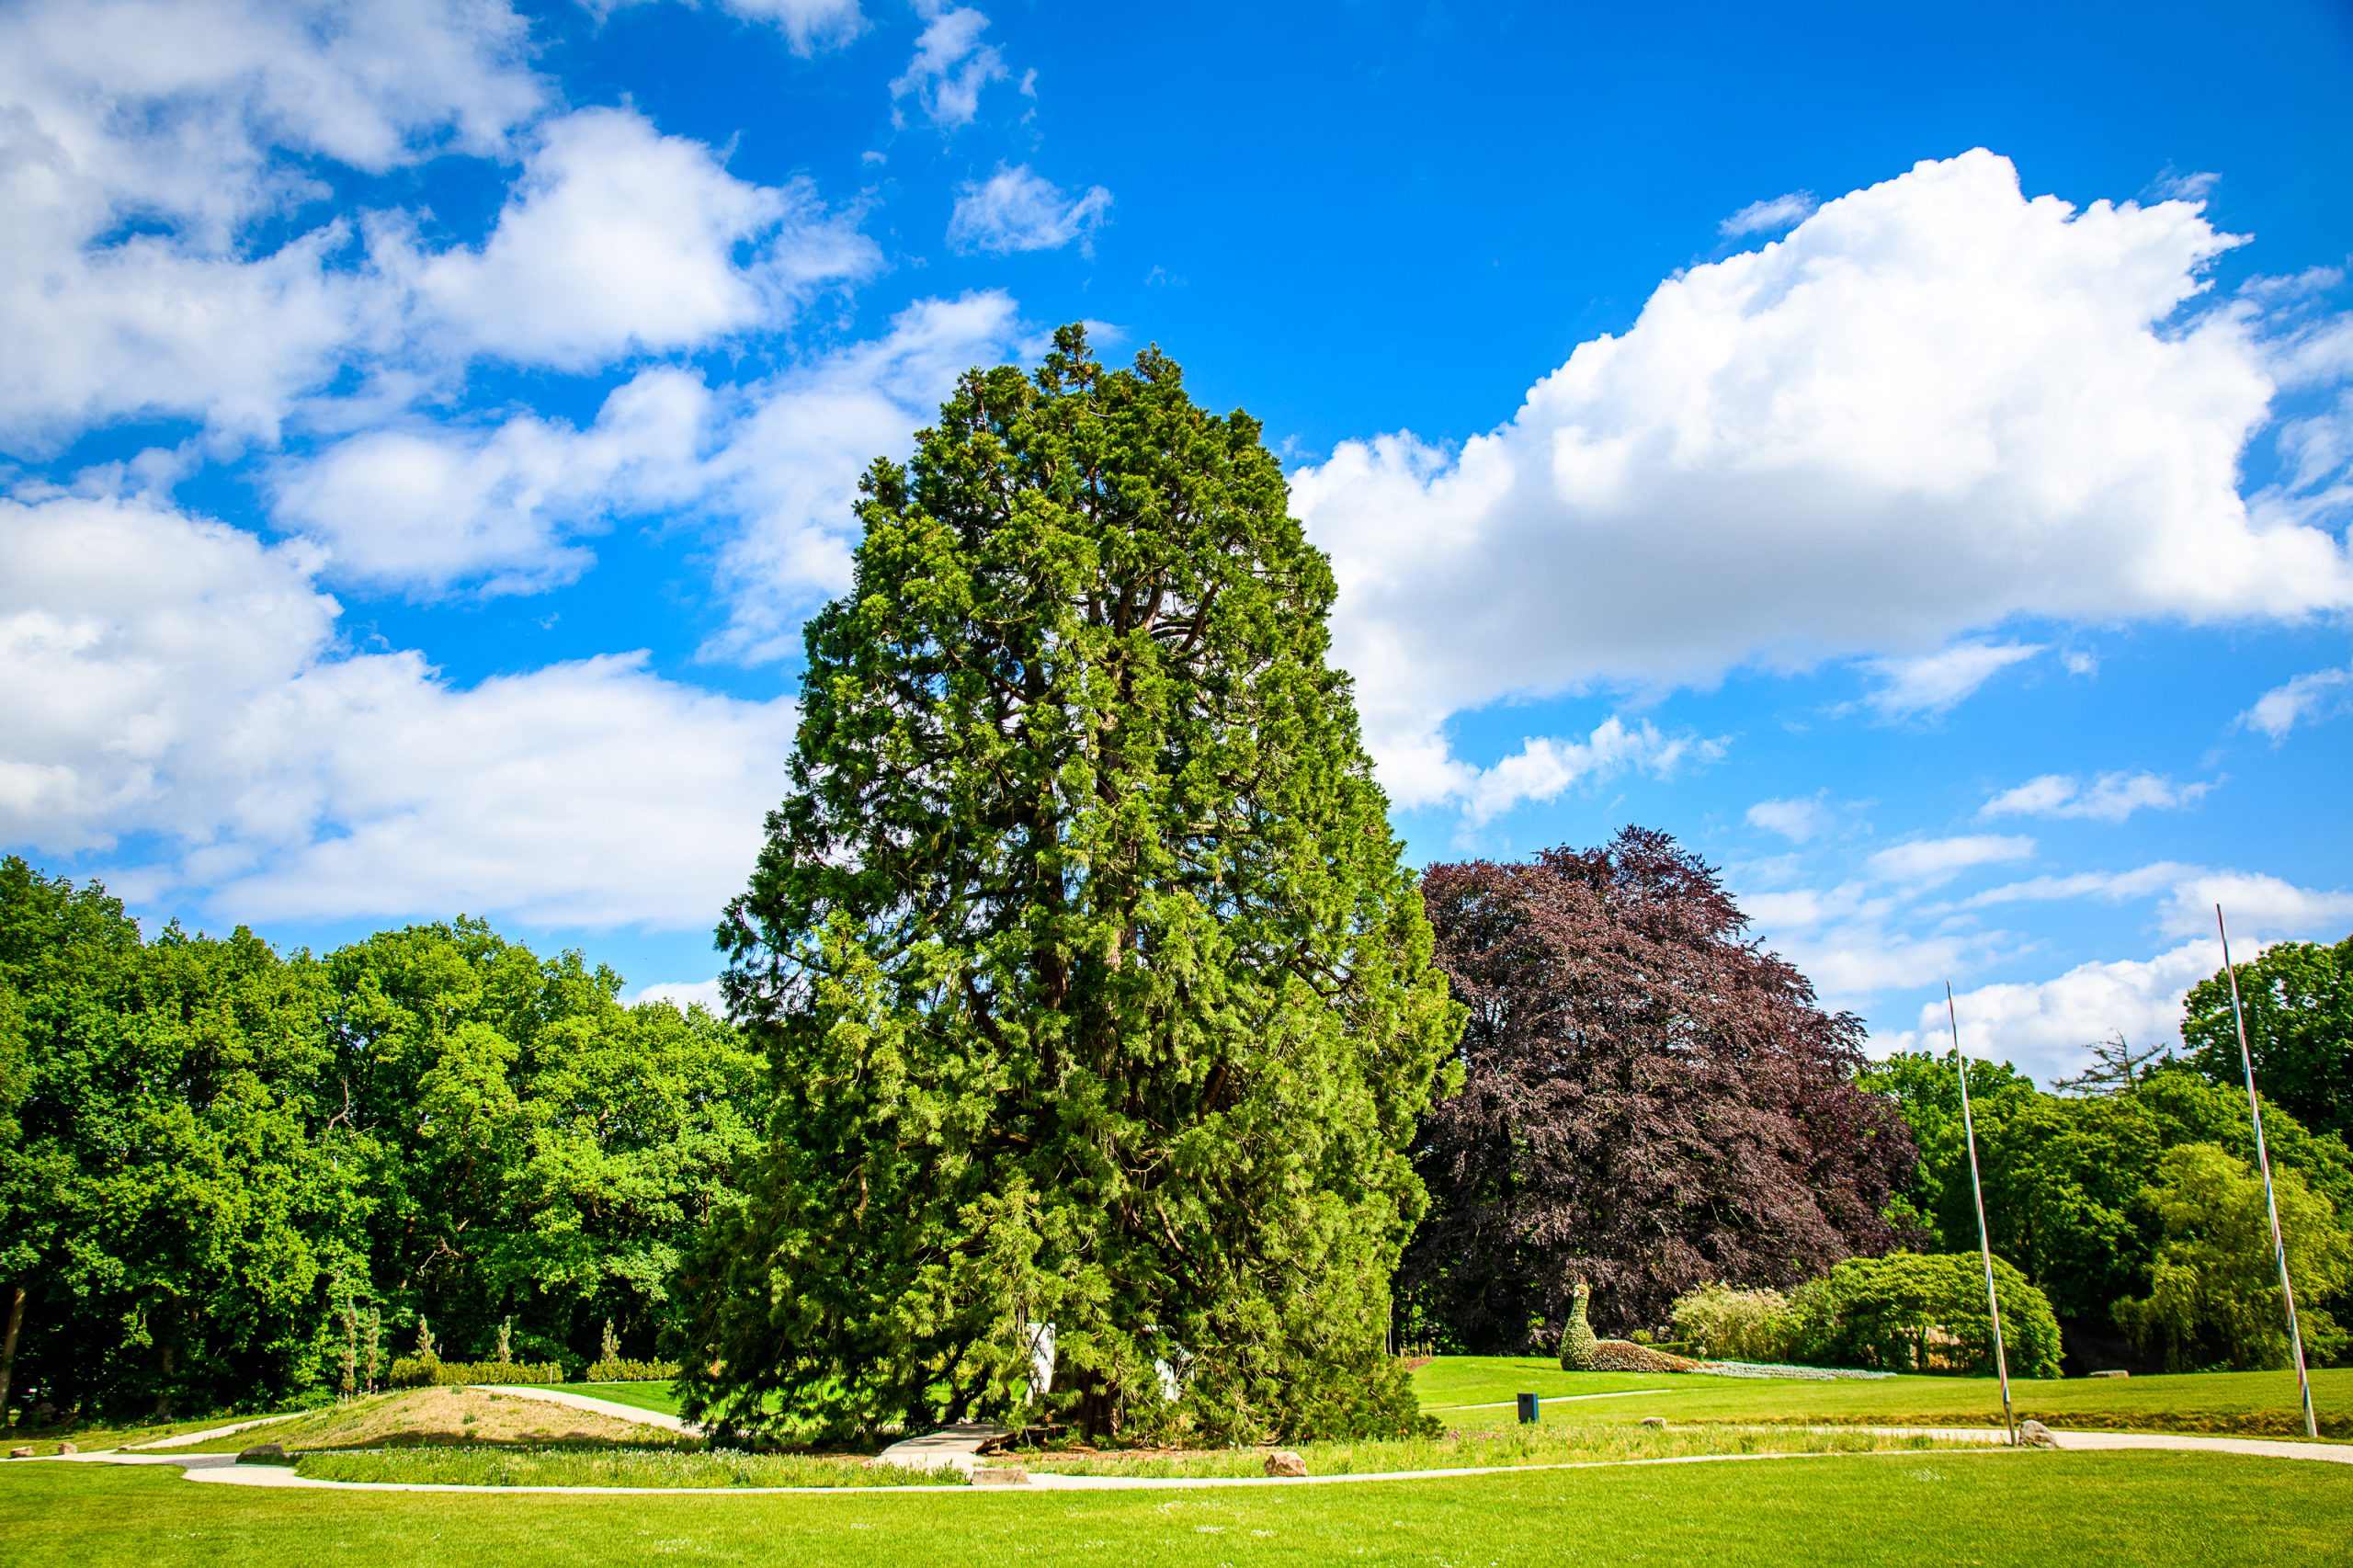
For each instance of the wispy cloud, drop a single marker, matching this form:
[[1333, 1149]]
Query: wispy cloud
[[1017, 209], [2111, 797], [1926, 862], [1932, 683], [1775, 212], [2308, 699]]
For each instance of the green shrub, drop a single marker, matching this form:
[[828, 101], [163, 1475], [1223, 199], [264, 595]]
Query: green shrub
[[1719, 1322], [411, 1372], [620, 1369], [1922, 1313]]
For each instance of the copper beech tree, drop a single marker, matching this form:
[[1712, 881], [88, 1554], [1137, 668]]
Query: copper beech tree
[[1650, 1101]]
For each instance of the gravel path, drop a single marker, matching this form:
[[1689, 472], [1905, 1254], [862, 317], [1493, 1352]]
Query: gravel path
[[223, 1469]]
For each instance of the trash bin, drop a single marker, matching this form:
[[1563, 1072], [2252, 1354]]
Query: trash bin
[[1527, 1409]]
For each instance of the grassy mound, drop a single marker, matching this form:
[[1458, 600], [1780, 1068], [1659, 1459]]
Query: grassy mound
[[444, 1416]]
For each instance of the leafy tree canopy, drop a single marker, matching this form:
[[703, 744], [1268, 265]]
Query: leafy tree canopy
[[2215, 1287], [2298, 1002], [1650, 1101], [1095, 993], [223, 1156]]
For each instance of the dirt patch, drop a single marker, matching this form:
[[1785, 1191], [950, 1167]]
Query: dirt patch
[[444, 1416]]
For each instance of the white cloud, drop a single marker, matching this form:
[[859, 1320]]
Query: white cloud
[[168, 118], [1799, 821], [618, 238], [1773, 213], [1933, 406], [432, 505], [2047, 1028], [1544, 766], [1017, 209], [683, 995], [2111, 797], [1928, 862], [950, 65], [2308, 699], [809, 25], [1931, 683], [2256, 905], [168, 676], [2140, 882]]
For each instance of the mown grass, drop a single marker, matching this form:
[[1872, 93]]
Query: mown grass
[[475, 1466], [662, 1397], [2247, 1404], [1478, 1448], [2165, 1510]]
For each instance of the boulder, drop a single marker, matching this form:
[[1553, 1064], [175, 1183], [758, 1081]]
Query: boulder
[[2035, 1435], [2115, 1374], [1000, 1476], [1283, 1462], [20, 1453], [262, 1453], [1659, 1421], [68, 1448]]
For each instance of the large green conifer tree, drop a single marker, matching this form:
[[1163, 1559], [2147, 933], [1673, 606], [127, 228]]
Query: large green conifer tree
[[1095, 990]]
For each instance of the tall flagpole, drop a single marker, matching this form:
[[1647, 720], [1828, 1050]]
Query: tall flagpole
[[1985, 1244], [2270, 1204]]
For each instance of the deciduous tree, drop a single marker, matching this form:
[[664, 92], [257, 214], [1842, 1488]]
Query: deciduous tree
[[1651, 1101]]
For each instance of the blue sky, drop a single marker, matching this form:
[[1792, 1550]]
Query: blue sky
[[1901, 451]]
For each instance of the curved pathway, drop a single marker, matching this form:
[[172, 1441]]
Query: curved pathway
[[223, 1469]]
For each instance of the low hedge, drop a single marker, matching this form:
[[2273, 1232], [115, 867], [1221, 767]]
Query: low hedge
[[620, 1369], [411, 1372]]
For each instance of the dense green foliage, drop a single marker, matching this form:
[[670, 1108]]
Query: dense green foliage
[[2298, 1002], [1923, 1312], [1095, 990], [237, 1175], [1721, 1323], [2213, 1286], [410, 1372], [2074, 1197]]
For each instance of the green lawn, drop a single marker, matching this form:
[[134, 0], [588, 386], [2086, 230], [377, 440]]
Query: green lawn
[[2253, 1403], [2196, 1510], [662, 1397]]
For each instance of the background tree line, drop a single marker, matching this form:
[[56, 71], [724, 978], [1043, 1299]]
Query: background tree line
[[212, 1152]]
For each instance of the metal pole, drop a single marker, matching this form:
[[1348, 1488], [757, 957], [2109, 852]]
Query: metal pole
[[2270, 1204], [1985, 1244]]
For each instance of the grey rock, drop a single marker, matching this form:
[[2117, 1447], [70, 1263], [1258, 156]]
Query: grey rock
[[262, 1453], [20, 1453], [2035, 1435], [2112, 1374], [1283, 1462], [68, 1448], [1000, 1476], [1655, 1421]]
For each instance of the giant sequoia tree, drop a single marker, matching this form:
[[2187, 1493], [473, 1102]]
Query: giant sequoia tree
[[1094, 990], [1651, 1101]]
